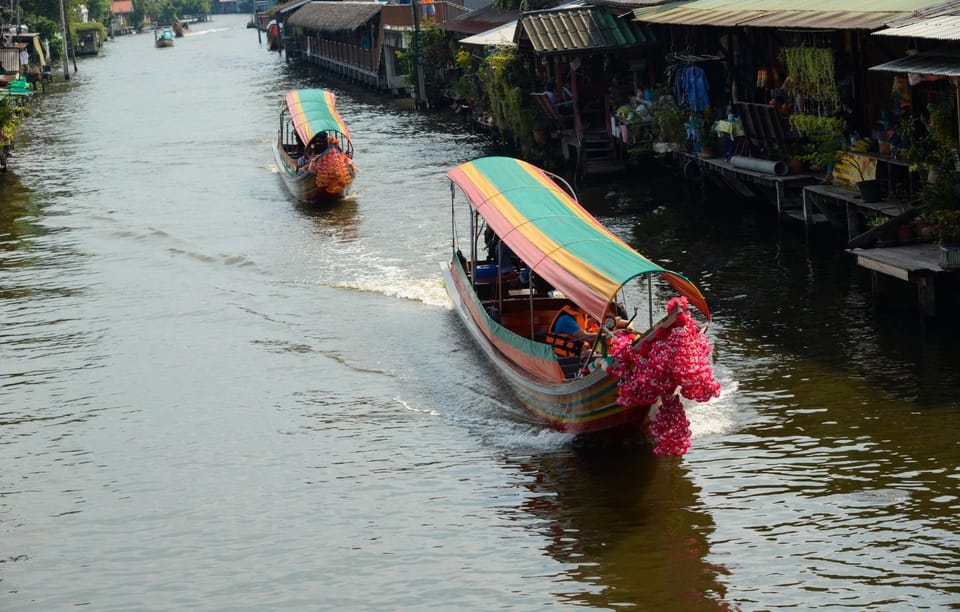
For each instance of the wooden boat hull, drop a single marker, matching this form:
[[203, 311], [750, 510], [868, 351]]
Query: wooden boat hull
[[303, 185], [161, 44], [581, 405]]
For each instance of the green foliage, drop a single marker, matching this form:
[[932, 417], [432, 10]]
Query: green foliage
[[943, 128], [503, 79], [99, 10], [435, 51], [821, 139], [705, 133], [79, 29], [946, 226], [47, 28], [12, 113], [810, 72], [668, 122], [942, 192]]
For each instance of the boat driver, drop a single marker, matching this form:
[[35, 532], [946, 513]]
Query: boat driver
[[573, 324]]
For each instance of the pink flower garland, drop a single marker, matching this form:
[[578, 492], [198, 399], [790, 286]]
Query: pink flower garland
[[676, 357]]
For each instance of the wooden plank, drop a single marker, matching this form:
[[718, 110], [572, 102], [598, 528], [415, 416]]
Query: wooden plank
[[907, 260], [883, 268]]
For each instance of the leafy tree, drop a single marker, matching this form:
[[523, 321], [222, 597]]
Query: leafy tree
[[99, 10], [436, 57]]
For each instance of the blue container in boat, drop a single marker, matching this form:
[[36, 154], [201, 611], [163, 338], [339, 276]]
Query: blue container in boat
[[487, 273]]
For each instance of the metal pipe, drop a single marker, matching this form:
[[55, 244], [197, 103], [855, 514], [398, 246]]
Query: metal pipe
[[769, 166]]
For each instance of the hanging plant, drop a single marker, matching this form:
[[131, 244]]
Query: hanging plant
[[810, 73]]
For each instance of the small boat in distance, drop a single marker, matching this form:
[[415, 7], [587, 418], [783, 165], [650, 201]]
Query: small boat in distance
[[560, 259], [163, 37], [313, 149]]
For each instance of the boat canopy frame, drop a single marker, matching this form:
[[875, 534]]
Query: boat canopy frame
[[313, 113]]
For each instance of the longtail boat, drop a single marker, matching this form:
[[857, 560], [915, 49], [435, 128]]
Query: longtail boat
[[561, 258], [163, 37], [313, 149]]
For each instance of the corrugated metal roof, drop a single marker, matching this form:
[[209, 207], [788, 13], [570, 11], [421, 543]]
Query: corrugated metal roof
[[480, 20], [334, 16], [940, 63], [500, 36], [852, 20], [946, 27], [580, 29], [816, 14], [284, 8], [951, 7]]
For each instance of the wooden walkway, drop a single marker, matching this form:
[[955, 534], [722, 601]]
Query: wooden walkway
[[916, 263], [740, 179], [824, 200]]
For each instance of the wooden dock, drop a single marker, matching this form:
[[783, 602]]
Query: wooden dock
[[915, 263], [742, 180], [821, 202]]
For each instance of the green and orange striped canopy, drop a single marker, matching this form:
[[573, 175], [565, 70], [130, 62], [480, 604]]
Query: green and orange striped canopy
[[313, 111], [554, 235]]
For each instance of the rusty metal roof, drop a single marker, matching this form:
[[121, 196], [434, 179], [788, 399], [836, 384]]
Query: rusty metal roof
[[941, 63], [568, 30], [480, 20], [946, 27], [813, 14], [121, 7], [334, 16]]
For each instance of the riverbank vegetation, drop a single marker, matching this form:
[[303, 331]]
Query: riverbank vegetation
[[43, 16]]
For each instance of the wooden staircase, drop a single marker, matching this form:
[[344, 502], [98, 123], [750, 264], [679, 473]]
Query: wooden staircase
[[597, 154]]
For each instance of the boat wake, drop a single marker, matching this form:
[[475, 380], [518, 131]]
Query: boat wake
[[716, 417], [430, 291]]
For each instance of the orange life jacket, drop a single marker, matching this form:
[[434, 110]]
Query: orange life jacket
[[564, 345]]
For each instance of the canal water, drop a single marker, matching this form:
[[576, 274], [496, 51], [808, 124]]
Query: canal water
[[215, 398]]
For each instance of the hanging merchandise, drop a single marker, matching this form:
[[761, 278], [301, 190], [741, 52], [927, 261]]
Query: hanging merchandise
[[694, 89], [900, 93], [768, 78]]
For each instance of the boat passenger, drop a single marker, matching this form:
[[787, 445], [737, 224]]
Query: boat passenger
[[573, 324], [571, 333], [498, 252], [302, 162]]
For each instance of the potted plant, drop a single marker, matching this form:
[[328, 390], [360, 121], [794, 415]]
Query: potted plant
[[709, 141], [869, 188], [820, 141], [946, 233], [668, 122], [706, 135]]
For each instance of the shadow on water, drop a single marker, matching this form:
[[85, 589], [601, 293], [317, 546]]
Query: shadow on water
[[626, 525], [341, 218], [775, 290]]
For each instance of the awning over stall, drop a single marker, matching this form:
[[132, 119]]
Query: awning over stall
[[946, 27], [942, 63], [812, 14]]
